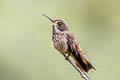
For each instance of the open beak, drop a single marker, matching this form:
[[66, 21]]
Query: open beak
[[48, 17]]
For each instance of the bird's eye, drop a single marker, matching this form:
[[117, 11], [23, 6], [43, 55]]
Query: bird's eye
[[59, 24]]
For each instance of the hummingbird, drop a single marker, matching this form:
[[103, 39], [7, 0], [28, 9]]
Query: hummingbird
[[65, 42]]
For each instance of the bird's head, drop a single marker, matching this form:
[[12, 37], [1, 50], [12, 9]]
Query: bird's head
[[58, 25]]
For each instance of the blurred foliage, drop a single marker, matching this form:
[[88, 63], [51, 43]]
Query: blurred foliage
[[25, 38]]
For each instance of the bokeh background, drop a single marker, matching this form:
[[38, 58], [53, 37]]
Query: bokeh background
[[25, 38]]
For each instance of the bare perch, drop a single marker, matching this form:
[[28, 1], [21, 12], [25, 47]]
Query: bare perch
[[83, 75]]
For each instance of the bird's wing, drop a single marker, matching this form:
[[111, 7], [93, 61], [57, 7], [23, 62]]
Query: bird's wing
[[73, 45], [78, 54]]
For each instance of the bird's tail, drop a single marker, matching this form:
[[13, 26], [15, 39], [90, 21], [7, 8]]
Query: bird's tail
[[82, 62]]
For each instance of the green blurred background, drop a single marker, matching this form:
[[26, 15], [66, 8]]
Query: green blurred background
[[25, 38]]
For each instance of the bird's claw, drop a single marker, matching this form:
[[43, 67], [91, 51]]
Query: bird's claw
[[66, 58]]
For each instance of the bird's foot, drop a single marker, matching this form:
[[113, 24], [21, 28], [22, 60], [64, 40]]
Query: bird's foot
[[66, 58]]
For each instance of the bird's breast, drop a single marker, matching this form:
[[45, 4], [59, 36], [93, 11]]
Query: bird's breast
[[59, 42]]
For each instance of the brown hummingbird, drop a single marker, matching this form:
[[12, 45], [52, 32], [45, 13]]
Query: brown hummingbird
[[65, 43]]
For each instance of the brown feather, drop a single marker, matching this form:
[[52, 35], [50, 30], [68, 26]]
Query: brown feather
[[77, 54]]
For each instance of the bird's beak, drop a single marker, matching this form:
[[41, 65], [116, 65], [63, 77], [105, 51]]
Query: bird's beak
[[48, 18]]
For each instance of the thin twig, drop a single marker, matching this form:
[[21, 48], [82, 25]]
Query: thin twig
[[83, 74]]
